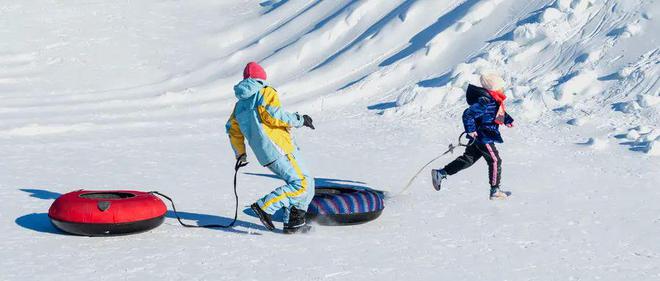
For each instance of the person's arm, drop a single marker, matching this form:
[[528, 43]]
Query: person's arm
[[469, 118], [272, 114], [508, 120], [236, 137]]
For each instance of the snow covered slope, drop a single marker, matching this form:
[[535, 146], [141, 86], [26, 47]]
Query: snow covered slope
[[134, 94]]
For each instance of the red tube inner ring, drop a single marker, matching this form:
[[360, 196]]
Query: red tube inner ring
[[106, 195]]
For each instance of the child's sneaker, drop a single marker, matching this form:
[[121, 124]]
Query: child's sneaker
[[438, 176], [497, 194], [266, 219]]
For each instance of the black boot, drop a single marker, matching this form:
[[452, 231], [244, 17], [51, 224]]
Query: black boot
[[266, 218], [296, 222]]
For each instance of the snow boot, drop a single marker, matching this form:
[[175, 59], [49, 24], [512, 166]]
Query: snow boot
[[296, 222], [266, 218], [497, 194], [438, 176]]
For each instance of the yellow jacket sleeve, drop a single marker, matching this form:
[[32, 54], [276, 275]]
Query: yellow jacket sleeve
[[236, 137], [273, 115]]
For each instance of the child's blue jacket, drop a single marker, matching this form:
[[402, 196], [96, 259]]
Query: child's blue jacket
[[480, 116]]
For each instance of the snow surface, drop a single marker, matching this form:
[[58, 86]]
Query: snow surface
[[134, 95]]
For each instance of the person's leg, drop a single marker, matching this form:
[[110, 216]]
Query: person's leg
[[469, 157], [294, 193], [492, 157], [301, 202]]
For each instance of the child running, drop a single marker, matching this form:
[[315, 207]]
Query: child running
[[482, 121]]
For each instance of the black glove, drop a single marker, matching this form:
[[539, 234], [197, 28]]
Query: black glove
[[241, 161], [307, 122]]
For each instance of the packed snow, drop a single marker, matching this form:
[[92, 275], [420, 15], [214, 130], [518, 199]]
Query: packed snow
[[135, 95]]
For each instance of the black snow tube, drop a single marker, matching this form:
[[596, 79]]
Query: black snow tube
[[345, 205]]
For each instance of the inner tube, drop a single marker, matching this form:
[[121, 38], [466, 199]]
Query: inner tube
[[345, 206], [107, 212]]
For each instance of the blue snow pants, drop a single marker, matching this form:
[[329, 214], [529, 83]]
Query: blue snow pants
[[298, 190]]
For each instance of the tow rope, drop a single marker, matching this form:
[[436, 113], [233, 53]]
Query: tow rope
[[237, 166], [449, 150]]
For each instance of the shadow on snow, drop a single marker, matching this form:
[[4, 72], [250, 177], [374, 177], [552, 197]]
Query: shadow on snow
[[40, 222]]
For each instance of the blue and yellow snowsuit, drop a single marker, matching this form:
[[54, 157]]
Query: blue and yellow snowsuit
[[259, 118]]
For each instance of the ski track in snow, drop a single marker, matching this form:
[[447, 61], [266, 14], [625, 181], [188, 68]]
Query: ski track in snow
[[109, 95]]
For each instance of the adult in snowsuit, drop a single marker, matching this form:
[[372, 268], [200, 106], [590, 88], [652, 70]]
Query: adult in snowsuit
[[481, 122], [259, 118]]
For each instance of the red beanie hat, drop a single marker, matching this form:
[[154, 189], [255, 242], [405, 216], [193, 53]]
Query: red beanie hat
[[254, 70]]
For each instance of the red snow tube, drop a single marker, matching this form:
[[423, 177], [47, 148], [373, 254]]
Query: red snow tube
[[110, 212]]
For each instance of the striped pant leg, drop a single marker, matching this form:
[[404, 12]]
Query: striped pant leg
[[293, 193], [302, 203], [492, 157]]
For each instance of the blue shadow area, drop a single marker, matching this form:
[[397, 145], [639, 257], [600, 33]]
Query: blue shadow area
[[41, 193], [272, 5], [505, 37], [421, 39], [616, 32], [610, 77], [637, 146], [204, 219], [352, 83], [566, 77], [619, 106], [382, 105], [277, 217], [39, 222], [435, 82], [581, 58]]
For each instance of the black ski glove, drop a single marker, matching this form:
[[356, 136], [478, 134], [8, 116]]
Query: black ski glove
[[241, 161], [307, 122]]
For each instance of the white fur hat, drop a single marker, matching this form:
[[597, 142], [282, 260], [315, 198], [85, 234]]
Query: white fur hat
[[492, 82]]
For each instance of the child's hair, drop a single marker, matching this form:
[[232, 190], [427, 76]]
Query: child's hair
[[492, 81]]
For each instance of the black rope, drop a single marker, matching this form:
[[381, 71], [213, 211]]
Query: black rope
[[449, 150], [469, 143], [237, 166]]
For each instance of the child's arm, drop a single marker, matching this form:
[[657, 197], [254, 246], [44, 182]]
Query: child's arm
[[507, 118], [470, 115]]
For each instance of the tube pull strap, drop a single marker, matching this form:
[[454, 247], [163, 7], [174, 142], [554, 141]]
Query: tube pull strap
[[237, 166]]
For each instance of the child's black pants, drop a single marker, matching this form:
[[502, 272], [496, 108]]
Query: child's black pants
[[472, 154]]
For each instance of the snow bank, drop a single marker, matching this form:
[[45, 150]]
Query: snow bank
[[421, 100], [643, 138], [555, 60], [578, 84], [641, 78]]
